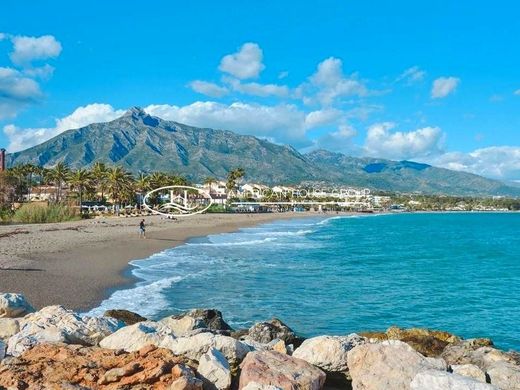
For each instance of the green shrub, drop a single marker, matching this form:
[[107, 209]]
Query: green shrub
[[39, 213]]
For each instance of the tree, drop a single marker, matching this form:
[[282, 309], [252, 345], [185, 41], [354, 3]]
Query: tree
[[81, 180], [59, 175], [142, 185], [233, 177], [119, 184], [99, 173]]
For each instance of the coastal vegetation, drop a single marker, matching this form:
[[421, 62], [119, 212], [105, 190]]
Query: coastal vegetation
[[43, 213]]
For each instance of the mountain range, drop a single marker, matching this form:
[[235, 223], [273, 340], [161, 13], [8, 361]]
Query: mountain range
[[142, 143]]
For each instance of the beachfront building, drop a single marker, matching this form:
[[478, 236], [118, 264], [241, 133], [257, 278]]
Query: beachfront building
[[254, 191]]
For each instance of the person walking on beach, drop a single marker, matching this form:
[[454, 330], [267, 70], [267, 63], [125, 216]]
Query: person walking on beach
[[142, 229]]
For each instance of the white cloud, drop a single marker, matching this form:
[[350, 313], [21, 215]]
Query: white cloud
[[16, 92], [244, 64], [257, 89], [284, 123], [443, 86], [28, 49], [329, 83], [283, 74], [42, 72], [382, 142], [500, 162], [20, 139], [322, 117], [3, 36], [517, 92], [412, 75], [208, 89]]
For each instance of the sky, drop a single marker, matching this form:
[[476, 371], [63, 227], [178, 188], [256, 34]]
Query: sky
[[406, 80]]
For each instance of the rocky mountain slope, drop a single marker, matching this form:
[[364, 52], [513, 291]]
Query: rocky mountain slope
[[142, 143]]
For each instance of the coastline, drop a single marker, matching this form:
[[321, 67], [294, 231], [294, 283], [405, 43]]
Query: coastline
[[78, 264]]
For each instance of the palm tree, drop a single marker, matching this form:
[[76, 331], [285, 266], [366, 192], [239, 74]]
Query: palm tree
[[233, 177], [17, 174], [29, 170], [81, 181], [142, 185], [119, 183], [59, 175], [159, 179], [99, 173]]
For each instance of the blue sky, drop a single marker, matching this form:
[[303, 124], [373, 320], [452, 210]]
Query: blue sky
[[438, 83]]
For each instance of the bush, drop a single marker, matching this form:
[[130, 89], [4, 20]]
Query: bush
[[39, 213]]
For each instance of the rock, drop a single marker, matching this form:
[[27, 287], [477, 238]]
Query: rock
[[389, 365], [2, 350], [472, 352], [185, 323], [504, 375], [23, 341], [470, 371], [60, 366], [258, 386], [187, 383], [185, 379], [441, 380], [134, 337], [277, 345], [126, 316], [9, 327], [214, 370], [267, 331], [328, 352], [57, 324], [428, 342], [195, 346], [269, 368], [14, 305]]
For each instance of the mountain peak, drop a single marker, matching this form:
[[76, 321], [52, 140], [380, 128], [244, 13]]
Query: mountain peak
[[135, 112]]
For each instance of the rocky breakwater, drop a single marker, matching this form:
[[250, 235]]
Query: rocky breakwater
[[55, 348]]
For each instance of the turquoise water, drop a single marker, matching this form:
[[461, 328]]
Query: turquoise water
[[457, 272]]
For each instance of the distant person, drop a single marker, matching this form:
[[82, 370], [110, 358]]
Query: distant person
[[142, 229]]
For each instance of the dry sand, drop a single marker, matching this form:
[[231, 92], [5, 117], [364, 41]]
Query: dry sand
[[75, 264]]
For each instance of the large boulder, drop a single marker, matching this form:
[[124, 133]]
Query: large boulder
[[60, 366], [14, 305], [425, 341], [214, 370], [328, 352], [197, 345], [269, 368], [184, 324], [389, 365], [504, 375], [126, 316], [134, 337], [9, 327], [57, 324], [185, 379], [470, 371], [501, 367], [267, 331], [441, 380]]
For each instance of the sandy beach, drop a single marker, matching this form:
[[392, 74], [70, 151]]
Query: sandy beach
[[75, 264]]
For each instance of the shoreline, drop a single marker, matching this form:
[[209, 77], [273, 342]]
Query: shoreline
[[83, 262]]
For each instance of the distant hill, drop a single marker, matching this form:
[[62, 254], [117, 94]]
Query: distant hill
[[143, 143]]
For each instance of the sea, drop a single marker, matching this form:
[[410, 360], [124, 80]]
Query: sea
[[458, 272]]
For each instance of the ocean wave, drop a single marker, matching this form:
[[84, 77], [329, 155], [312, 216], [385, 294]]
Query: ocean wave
[[145, 298], [231, 243]]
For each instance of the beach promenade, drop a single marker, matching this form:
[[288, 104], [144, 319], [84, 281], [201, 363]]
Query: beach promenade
[[76, 263]]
